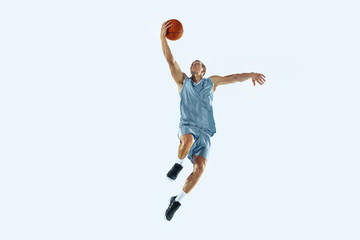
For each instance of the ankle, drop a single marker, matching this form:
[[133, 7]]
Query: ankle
[[180, 161], [181, 195]]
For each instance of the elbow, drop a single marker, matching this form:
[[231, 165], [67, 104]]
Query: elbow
[[170, 61]]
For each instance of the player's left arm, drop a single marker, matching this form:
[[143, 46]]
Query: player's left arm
[[240, 77]]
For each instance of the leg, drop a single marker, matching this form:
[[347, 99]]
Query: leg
[[186, 141], [199, 166], [198, 169]]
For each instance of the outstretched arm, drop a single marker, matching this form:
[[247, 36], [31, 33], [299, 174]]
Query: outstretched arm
[[175, 70], [165, 47], [240, 77]]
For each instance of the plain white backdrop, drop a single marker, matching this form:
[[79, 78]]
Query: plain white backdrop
[[89, 116]]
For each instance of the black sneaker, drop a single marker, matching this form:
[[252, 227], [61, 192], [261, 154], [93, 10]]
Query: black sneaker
[[173, 206], [174, 171]]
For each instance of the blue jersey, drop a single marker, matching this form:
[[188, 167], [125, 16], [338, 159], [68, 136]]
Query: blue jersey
[[196, 105]]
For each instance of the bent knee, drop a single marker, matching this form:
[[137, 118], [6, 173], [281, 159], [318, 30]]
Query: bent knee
[[187, 140], [199, 168]]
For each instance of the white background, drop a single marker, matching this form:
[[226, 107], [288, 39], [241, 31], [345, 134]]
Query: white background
[[89, 116]]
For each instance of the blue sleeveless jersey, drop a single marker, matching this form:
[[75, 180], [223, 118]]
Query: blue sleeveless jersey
[[196, 105]]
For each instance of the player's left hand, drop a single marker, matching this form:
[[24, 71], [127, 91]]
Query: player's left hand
[[258, 77]]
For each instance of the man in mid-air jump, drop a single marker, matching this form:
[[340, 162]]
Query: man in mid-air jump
[[197, 123]]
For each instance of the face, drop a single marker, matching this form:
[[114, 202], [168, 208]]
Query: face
[[196, 68]]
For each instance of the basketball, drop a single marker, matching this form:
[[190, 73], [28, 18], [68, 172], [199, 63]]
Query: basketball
[[175, 31]]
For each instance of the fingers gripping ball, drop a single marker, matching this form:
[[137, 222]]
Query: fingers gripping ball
[[175, 31]]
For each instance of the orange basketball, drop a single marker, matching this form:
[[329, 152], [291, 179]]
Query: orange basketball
[[175, 31]]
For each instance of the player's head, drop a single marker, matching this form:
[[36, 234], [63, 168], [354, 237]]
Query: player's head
[[198, 67]]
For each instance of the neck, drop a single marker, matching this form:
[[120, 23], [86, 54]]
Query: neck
[[196, 78]]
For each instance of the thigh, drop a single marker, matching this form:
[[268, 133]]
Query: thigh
[[203, 146]]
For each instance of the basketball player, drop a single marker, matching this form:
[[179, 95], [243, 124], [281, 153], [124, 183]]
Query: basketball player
[[197, 123]]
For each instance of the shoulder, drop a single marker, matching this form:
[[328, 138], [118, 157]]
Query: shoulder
[[215, 79], [180, 85], [211, 81], [184, 77]]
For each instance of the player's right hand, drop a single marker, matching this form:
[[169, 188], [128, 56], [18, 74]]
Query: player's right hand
[[166, 25]]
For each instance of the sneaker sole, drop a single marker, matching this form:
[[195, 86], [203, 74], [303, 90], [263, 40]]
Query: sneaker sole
[[173, 180]]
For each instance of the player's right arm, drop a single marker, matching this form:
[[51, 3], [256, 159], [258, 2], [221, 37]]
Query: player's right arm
[[175, 70]]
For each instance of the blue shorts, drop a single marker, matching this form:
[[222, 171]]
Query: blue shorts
[[202, 142]]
